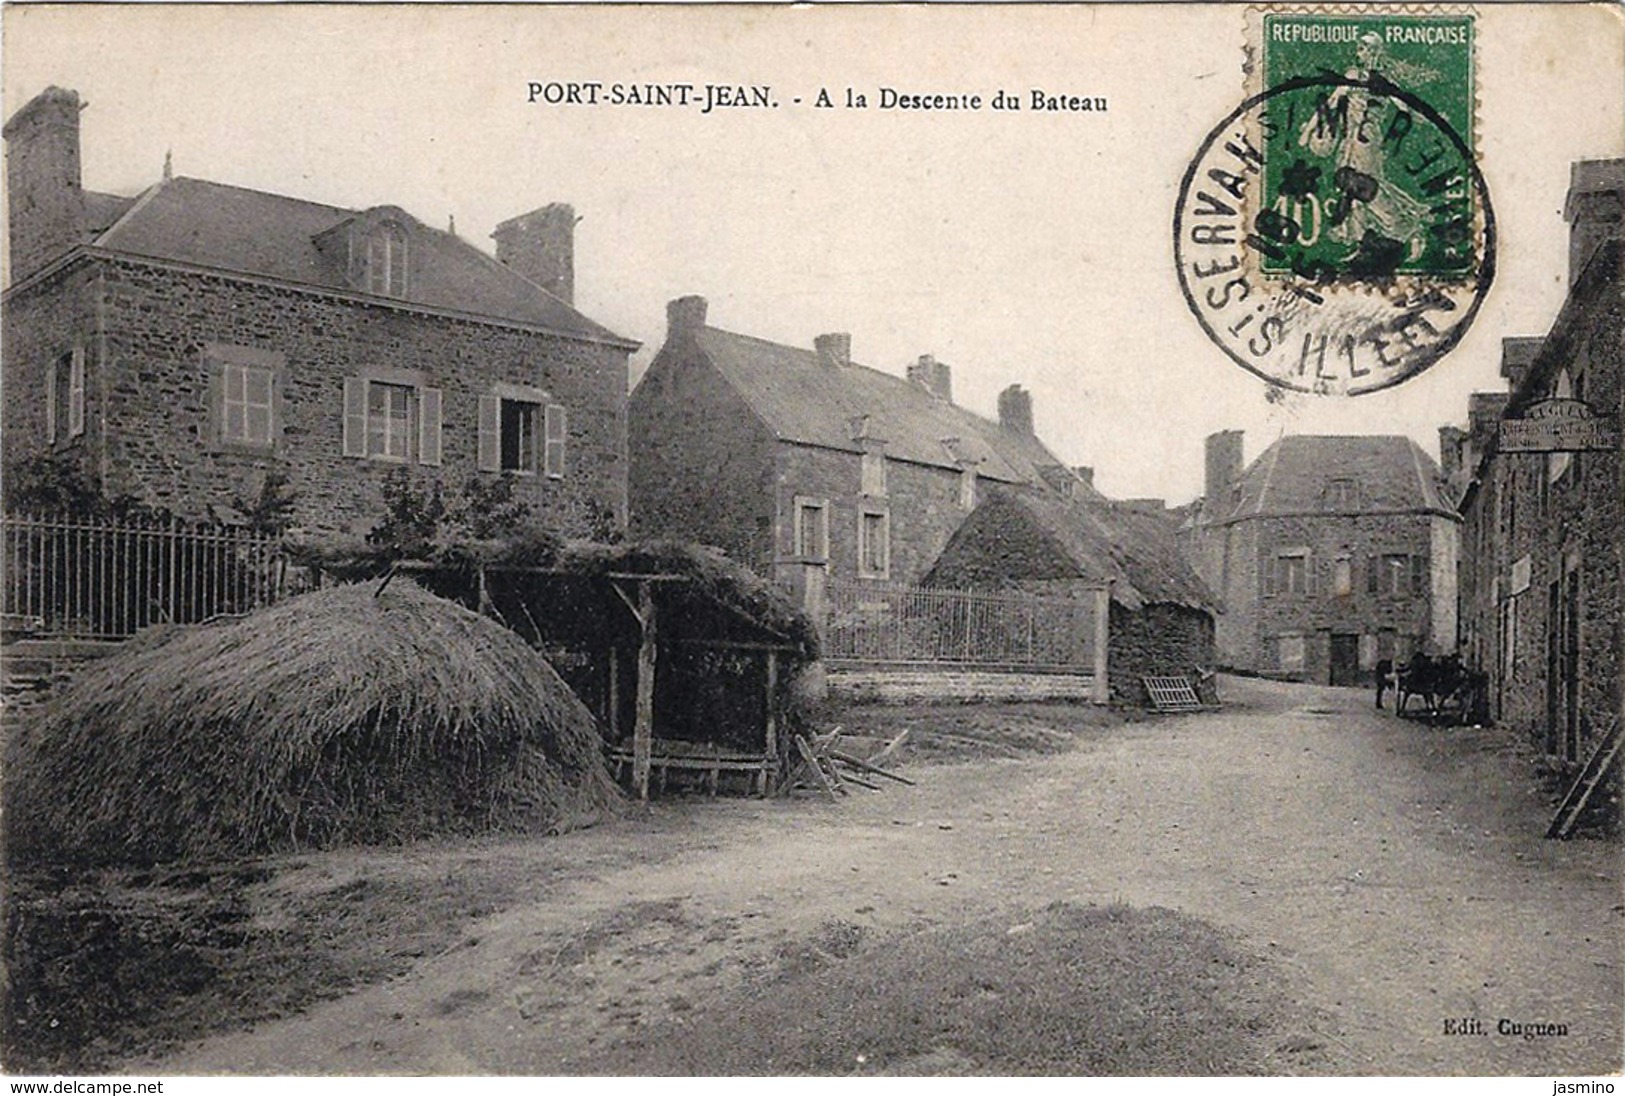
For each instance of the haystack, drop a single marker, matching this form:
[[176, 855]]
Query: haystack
[[340, 716]]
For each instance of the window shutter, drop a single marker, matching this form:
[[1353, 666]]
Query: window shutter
[[355, 416], [76, 393], [1373, 567], [490, 454], [429, 426], [556, 430], [1419, 576], [50, 402], [1311, 585]]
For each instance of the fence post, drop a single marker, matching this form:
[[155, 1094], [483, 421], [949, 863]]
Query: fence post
[[1100, 691]]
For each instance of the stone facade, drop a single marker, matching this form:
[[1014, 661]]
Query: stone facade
[[719, 456], [1542, 556], [1323, 585], [121, 348], [152, 335]]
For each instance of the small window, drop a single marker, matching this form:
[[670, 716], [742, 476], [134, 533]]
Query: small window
[[65, 396], [386, 261], [1292, 573], [1395, 575], [873, 475], [874, 544], [390, 414], [811, 529], [246, 409], [1341, 495], [1342, 576], [1290, 653]]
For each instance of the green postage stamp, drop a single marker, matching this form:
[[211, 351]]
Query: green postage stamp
[[1334, 234], [1369, 181]]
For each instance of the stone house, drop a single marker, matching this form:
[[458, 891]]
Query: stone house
[[785, 457], [1161, 617], [1327, 553], [1543, 560], [183, 344]]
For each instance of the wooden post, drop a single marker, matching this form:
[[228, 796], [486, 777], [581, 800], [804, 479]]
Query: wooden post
[[1100, 689], [643, 725], [612, 704], [771, 754]]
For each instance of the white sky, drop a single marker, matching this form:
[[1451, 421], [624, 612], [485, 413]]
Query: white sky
[[1017, 247]]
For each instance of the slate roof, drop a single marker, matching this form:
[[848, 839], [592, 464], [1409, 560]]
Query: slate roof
[[273, 236], [802, 399], [1390, 475]]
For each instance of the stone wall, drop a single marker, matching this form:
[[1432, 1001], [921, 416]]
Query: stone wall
[[149, 383], [922, 501], [1157, 640], [701, 462], [904, 686]]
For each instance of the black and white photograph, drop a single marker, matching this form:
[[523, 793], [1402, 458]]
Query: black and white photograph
[[821, 540]]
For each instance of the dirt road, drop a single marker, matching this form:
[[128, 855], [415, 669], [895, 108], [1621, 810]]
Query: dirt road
[[1395, 875]]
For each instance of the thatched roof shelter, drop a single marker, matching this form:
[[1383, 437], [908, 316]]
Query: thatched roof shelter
[[1012, 537], [351, 714]]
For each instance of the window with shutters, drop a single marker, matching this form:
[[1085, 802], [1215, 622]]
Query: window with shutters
[[1290, 573], [391, 415], [245, 395], [65, 396], [521, 431]]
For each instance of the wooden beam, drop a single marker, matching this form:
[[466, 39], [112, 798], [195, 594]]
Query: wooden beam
[[613, 702], [643, 724], [771, 728], [1100, 689], [633, 609]]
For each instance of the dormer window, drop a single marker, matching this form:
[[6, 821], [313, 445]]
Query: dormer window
[[1341, 494], [386, 260]]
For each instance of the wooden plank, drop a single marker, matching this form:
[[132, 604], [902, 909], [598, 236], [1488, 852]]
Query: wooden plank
[[1590, 778], [864, 766], [891, 748], [771, 727], [811, 760], [643, 721]]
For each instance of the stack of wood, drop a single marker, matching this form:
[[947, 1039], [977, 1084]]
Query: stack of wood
[[825, 766]]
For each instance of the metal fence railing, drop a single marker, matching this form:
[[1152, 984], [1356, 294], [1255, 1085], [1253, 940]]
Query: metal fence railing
[[94, 578], [874, 622]]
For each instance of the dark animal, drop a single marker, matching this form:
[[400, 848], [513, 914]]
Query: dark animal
[[1438, 680]]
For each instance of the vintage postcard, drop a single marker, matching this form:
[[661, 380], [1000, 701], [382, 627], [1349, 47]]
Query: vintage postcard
[[898, 540]]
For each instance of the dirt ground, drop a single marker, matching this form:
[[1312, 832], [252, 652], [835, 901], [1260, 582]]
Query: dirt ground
[[1394, 875]]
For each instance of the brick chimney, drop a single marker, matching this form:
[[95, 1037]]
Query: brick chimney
[[1484, 411], [1223, 464], [684, 317], [1016, 410], [933, 376], [43, 182], [1450, 445], [541, 246], [834, 349], [1517, 355], [1595, 209]]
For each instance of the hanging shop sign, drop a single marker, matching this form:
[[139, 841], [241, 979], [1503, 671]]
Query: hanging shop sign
[[1559, 426]]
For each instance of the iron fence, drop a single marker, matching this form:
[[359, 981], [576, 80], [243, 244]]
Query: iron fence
[[92, 578], [874, 622]]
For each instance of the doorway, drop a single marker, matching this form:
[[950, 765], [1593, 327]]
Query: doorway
[[1345, 659]]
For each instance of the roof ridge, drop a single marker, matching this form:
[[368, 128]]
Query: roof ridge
[[1269, 473], [141, 201]]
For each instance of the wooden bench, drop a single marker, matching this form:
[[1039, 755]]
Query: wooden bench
[[705, 758]]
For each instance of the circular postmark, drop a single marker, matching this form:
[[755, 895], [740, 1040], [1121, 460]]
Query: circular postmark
[[1334, 235]]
